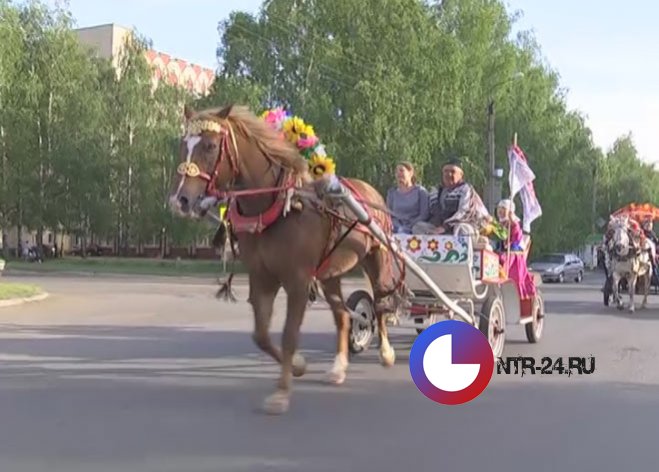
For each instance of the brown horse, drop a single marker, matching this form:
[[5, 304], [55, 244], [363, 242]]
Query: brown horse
[[230, 152]]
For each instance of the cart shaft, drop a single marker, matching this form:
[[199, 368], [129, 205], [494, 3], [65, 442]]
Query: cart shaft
[[335, 189]]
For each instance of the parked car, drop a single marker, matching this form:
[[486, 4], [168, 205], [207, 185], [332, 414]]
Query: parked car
[[559, 268]]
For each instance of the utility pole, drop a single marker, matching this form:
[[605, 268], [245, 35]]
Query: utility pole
[[491, 180], [594, 208], [490, 155]]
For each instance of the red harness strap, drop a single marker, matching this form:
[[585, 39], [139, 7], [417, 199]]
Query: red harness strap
[[258, 223], [351, 225], [385, 224], [254, 224]]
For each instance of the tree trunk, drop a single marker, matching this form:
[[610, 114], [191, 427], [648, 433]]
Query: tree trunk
[[162, 242], [60, 253], [3, 193]]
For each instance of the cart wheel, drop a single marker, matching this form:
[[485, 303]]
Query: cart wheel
[[493, 324], [361, 337], [534, 328]]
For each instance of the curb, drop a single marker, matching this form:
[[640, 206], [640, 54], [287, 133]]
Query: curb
[[20, 301]]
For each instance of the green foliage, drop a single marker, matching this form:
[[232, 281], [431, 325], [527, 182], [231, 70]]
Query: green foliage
[[86, 147], [413, 82], [91, 150]]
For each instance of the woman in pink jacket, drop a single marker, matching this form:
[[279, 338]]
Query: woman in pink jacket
[[513, 262]]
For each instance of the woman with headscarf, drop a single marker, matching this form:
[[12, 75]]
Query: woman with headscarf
[[511, 251]]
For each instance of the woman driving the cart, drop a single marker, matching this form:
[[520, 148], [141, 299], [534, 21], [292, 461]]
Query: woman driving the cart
[[512, 255]]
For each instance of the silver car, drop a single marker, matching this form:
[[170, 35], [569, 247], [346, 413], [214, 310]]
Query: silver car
[[559, 268]]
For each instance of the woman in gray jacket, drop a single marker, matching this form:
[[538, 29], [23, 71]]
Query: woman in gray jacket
[[408, 201]]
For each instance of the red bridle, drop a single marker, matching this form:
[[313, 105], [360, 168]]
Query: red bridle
[[191, 169]]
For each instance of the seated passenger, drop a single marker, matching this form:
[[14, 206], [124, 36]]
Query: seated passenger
[[408, 202], [457, 202], [650, 235], [514, 262]]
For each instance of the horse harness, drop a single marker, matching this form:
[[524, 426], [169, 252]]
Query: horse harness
[[635, 250], [284, 190]]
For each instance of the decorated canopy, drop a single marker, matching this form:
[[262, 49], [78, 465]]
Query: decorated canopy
[[638, 211]]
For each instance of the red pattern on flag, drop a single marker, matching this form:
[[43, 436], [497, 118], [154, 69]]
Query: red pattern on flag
[[521, 181]]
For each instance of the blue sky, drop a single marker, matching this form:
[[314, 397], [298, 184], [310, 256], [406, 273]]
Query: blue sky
[[607, 52]]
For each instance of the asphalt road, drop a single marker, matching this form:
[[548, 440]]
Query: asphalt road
[[142, 375]]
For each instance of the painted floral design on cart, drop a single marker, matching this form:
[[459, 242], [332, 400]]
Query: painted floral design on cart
[[433, 246], [452, 254], [414, 244]]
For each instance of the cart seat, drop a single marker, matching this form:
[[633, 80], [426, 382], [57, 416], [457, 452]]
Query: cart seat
[[454, 263]]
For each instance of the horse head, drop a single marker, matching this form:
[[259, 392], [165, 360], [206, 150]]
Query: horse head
[[229, 149], [620, 243]]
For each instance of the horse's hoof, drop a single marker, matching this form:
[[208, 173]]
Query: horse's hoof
[[299, 365], [336, 376], [277, 403], [388, 357]]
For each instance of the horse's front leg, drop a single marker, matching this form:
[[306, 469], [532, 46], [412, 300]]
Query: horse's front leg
[[647, 279], [298, 296], [383, 280], [632, 291], [262, 293], [615, 287], [333, 294]]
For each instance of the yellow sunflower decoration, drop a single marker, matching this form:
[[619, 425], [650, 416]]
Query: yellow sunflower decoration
[[304, 137], [296, 129], [321, 165]]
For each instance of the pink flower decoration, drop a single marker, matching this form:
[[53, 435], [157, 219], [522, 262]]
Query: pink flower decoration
[[275, 117], [307, 142]]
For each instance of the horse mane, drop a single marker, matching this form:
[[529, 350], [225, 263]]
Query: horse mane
[[253, 128]]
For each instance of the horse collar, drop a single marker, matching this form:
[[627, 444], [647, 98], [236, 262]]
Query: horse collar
[[257, 224]]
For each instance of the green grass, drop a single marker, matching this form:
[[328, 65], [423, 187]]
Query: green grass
[[132, 266], [120, 265], [12, 290]]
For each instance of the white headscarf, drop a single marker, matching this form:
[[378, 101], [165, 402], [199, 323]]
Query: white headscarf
[[508, 205]]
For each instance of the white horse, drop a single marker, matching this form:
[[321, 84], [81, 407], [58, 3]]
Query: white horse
[[629, 260]]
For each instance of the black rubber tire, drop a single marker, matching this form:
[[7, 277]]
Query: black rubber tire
[[355, 344], [493, 315], [418, 321], [535, 328]]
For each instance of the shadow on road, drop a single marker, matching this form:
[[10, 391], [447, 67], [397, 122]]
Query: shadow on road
[[592, 308], [146, 398], [119, 342], [141, 426]]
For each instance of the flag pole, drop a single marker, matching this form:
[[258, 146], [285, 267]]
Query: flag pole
[[510, 220]]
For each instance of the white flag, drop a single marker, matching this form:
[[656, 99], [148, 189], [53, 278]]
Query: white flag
[[521, 181]]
